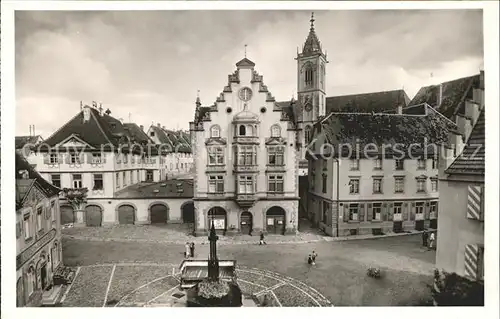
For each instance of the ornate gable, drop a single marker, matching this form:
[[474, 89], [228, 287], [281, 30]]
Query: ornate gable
[[73, 141], [215, 141], [33, 197]]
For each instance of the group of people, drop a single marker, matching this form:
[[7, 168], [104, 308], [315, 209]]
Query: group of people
[[428, 240], [189, 252], [311, 259]]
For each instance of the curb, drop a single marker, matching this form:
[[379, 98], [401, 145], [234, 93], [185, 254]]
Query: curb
[[223, 243]]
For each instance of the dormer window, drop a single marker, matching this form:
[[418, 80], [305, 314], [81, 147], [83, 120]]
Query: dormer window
[[275, 131], [215, 131], [152, 134]]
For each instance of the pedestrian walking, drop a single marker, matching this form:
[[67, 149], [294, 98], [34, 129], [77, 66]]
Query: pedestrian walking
[[432, 239], [313, 257], [309, 259], [191, 249], [262, 242], [187, 251], [425, 237]]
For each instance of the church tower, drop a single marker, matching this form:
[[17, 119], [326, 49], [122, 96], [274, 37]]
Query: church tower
[[311, 76]]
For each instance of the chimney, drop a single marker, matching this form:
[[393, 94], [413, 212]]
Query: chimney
[[158, 124], [142, 127], [30, 130], [33, 129], [400, 110]]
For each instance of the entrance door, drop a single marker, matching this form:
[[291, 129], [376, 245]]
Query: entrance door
[[419, 225], [159, 214], [93, 216], [397, 227], [275, 220], [434, 224], [246, 223], [188, 213], [126, 215], [67, 215]]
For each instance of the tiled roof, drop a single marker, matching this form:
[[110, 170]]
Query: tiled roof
[[177, 140], [453, 95], [399, 131], [167, 189], [136, 133], [21, 184], [23, 140], [367, 102], [472, 159]]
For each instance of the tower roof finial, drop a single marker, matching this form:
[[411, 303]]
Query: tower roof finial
[[312, 20], [198, 101], [246, 50]]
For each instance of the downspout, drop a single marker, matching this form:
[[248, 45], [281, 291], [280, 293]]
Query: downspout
[[337, 200]]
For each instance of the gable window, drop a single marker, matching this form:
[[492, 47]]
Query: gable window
[[353, 212], [400, 164], [149, 176], [421, 185], [247, 155], [354, 186], [39, 218], [77, 180], [275, 131], [74, 158], [246, 184], [215, 156], [275, 155], [377, 185], [98, 182], [354, 164], [399, 185], [434, 185], [307, 134], [152, 133], [242, 130], [377, 211], [216, 184], [96, 158], [421, 163], [377, 163], [275, 184], [56, 180], [27, 227], [215, 131], [323, 180], [53, 159]]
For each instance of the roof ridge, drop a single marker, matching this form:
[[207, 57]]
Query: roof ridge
[[99, 125], [64, 125], [366, 93]]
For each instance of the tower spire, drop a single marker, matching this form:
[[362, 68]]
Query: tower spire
[[312, 21], [312, 44]]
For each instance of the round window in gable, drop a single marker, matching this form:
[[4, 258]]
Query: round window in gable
[[229, 110], [262, 110]]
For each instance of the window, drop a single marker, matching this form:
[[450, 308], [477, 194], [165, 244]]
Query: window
[[324, 179], [275, 184], [399, 185], [246, 185], [74, 158], [307, 134], [242, 131], [216, 184], [182, 165], [250, 131], [400, 164], [420, 185], [275, 155], [215, 131], [421, 164], [354, 164], [149, 176], [152, 134], [77, 180], [247, 155], [275, 131], [354, 186], [309, 76], [377, 163], [30, 281], [39, 218], [377, 211], [353, 211], [96, 158], [434, 163], [117, 180], [377, 185], [125, 158], [433, 210], [53, 159], [325, 213], [215, 156], [98, 182], [56, 180], [434, 185], [27, 227], [419, 210], [55, 256], [124, 178]]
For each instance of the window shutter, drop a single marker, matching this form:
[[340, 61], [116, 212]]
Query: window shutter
[[369, 212], [61, 158], [346, 212], [384, 212], [427, 213], [361, 217], [405, 211], [412, 211], [68, 157], [474, 202], [390, 212], [46, 158], [89, 158], [471, 261]]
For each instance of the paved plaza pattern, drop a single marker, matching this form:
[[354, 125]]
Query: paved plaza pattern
[[157, 285]]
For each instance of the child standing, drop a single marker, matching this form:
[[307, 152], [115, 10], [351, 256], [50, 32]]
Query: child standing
[[262, 239], [187, 251], [313, 257]]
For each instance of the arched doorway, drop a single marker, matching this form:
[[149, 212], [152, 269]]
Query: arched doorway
[[275, 220], [188, 213], [67, 215], [246, 223], [158, 214], [42, 278], [19, 293], [93, 216], [126, 215], [219, 217]]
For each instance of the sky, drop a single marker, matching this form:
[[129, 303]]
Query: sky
[[147, 66]]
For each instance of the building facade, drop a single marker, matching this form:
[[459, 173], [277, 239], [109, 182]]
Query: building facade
[[460, 241], [245, 159], [38, 235]]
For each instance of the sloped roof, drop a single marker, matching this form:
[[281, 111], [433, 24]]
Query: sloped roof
[[399, 131], [454, 94], [176, 140], [167, 189], [471, 160], [21, 141], [245, 62], [136, 133], [367, 102]]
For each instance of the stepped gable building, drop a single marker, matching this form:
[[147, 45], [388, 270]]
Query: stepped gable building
[[383, 189], [38, 235], [94, 150]]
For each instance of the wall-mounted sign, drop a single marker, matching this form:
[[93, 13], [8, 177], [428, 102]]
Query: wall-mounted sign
[[280, 222], [219, 223], [270, 221]]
